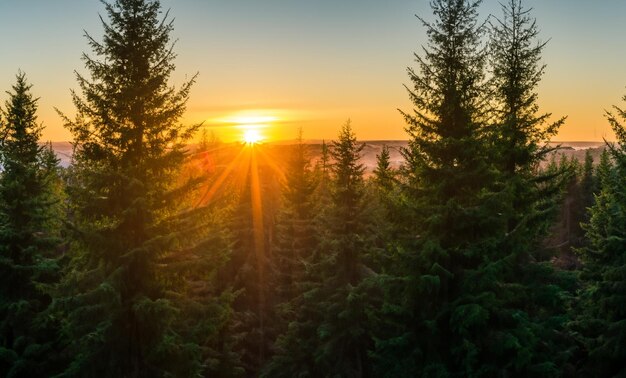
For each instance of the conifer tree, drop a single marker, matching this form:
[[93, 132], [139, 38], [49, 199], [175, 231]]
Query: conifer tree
[[386, 209], [589, 184], [248, 272], [383, 171], [330, 336], [446, 180], [458, 306], [321, 175], [602, 321], [531, 196], [242, 273], [295, 239], [521, 134], [446, 145], [137, 248], [28, 239]]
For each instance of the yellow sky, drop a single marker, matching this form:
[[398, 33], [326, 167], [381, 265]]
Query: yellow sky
[[313, 65]]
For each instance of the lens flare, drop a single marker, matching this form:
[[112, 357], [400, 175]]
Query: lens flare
[[252, 136]]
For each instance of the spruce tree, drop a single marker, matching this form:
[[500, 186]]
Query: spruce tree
[[29, 237], [329, 336], [383, 172], [602, 321], [521, 133], [531, 196], [460, 303], [446, 185], [386, 209], [295, 233], [242, 273], [589, 184], [248, 272], [321, 175], [137, 250]]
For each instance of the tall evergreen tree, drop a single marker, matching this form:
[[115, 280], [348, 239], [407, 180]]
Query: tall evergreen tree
[[445, 161], [521, 134], [602, 321], [295, 233], [28, 238], [385, 207], [330, 336], [446, 186], [460, 306], [137, 247], [531, 195], [589, 184], [383, 171]]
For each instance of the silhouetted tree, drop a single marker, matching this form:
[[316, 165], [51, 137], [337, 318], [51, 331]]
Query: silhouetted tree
[[531, 196], [446, 181], [29, 238], [329, 336], [521, 134], [295, 232], [602, 321], [137, 250], [383, 172], [461, 302]]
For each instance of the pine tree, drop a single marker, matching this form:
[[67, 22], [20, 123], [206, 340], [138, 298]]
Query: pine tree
[[598, 229], [330, 337], [383, 173], [602, 321], [243, 273], [520, 133], [321, 174], [137, 250], [589, 185], [388, 215], [295, 239], [461, 303], [531, 197], [446, 147], [28, 239], [248, 272], [446, 181]]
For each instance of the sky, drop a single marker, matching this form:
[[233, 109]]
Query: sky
[[282, 65]]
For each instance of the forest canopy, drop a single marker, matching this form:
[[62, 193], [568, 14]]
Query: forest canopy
[[482, 251]]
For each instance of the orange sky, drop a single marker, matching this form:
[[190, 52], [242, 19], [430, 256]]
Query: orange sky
[[315, 64]]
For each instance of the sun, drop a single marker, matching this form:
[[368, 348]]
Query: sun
[[252, 136]]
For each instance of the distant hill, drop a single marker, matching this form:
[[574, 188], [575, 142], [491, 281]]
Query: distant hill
[[372, 148]]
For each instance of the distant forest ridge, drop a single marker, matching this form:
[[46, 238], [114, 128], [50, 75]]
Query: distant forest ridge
[[373, 147]]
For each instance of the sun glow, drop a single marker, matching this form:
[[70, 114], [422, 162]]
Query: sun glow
[[252, 136]]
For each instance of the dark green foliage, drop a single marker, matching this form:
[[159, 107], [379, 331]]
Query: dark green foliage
[[466, 302], [447, 266], [445, 165], [601, 320], [245, 272], [138, 249], [295, 231], [531, 195], [248, 272], [589, 184], [520, 133], [29, 237], [446, 183], [329, 336], [383, 173]]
